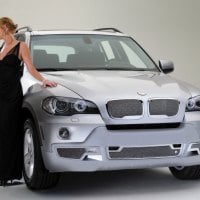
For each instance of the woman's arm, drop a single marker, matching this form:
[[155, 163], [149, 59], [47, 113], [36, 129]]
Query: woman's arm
[[25, 55]]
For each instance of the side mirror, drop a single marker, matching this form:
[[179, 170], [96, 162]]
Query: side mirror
[[167, 66]]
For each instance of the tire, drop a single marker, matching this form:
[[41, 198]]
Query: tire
[[186, 173], [36, 176]]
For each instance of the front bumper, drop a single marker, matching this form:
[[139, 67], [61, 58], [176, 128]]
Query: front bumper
[[90, 145]]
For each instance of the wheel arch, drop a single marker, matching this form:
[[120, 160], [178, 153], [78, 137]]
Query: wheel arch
[[41, 178], [27, 112]]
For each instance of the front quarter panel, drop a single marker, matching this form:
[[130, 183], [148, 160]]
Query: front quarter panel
[[35, 95]]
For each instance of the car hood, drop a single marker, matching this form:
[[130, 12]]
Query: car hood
[[106, 85]]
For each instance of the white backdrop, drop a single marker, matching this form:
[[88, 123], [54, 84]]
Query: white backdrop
[[167, 29]]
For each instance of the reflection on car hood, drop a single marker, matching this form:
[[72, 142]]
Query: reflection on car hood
[[120, 84]]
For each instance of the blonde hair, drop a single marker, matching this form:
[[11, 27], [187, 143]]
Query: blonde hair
[[11, 26]]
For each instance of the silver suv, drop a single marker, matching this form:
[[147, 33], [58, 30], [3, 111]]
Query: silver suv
[[114, 108]]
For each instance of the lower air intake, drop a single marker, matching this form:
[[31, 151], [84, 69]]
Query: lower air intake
[[142, 152], [74, 153]]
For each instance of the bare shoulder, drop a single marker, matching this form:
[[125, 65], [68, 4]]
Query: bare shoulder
[[24, 48], [24, 52], [23, 45]]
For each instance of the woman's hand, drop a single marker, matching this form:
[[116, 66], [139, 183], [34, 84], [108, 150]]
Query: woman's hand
[[26, 57], [48, 83]]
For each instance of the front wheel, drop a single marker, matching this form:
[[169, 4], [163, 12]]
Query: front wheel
[[35, 174], [186, 173]]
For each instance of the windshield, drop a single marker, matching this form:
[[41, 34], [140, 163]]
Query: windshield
[[88, 52]]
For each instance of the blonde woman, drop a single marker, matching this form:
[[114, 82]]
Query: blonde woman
[[12, 53]]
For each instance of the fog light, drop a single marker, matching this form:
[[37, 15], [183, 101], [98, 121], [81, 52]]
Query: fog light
[[64, 133]]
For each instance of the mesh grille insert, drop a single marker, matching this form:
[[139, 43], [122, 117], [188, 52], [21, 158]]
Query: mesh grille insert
[[75, 153], [143, 152], [122, 108], [167, 107]]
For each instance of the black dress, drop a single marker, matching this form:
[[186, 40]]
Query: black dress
[[11, 134]]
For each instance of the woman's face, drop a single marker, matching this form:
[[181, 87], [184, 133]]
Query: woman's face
[[2, 32]]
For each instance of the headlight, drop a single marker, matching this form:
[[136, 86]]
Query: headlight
[[193, 104], [68, 106]]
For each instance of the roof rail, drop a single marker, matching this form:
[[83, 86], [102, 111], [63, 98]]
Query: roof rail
[[107, 29], [27, 28]]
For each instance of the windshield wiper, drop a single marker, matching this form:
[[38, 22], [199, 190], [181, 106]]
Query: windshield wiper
[[119, 68], [47, 69], [55, 69], [104, 68]]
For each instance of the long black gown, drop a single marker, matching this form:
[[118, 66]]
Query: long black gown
[[11, 134]]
